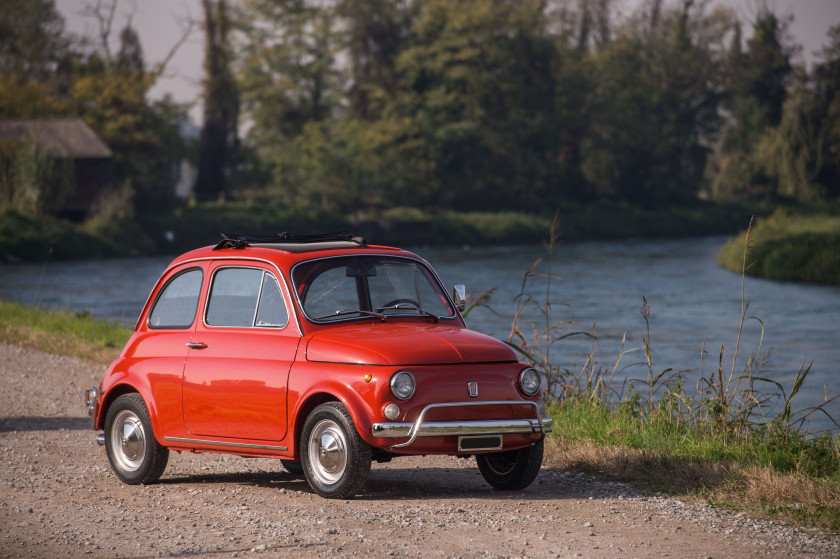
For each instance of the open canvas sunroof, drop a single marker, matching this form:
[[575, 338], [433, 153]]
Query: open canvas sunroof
[[292, 243]]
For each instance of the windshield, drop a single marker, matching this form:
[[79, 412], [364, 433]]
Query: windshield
[[362, 286]]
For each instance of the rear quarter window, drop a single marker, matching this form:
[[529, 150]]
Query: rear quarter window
[[176, 305]]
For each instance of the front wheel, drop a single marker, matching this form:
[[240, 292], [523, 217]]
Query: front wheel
[[335, 459], [134, 453], [511, 469], [292, 467]]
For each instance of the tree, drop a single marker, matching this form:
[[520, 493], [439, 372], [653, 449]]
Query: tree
[[757, 91], [219, 133], [375, 33], [477, 82], [801, 156], [826, 79], [287, 68], [32, 41], [657, 105], [130, 55], [36, 58]]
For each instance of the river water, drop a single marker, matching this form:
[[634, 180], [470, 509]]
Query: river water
[[692, 302]]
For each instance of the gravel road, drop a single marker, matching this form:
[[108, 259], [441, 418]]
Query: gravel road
[[58, 498]]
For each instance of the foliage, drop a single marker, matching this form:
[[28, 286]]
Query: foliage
[[499, 105], [38, 239], [32, 40], [31, 181], [802, 154], [287, 68], [783, 139], [481, 105]]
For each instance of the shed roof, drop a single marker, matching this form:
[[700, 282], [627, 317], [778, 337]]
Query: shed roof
[[62, 137]]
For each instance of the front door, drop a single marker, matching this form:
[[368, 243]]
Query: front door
[[237, 371]]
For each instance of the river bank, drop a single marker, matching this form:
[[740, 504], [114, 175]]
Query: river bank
[[30, 239]]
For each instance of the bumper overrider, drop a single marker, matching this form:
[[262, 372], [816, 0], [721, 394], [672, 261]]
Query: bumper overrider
[[422, 428], [91, 401], [91, 397]]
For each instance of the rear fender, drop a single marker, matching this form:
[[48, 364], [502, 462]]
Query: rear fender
[[155, 394]]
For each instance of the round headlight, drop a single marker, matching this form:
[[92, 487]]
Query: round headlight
[[529, 381], [402, 385]]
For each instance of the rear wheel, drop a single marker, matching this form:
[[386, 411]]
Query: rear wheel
[[511, 469], [335, 459], [134, 453]]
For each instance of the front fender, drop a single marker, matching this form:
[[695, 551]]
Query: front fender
[[342, 383]]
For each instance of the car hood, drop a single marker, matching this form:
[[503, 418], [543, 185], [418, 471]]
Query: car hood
[[405, 344]]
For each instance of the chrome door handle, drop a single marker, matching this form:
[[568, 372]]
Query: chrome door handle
[[196, 345]]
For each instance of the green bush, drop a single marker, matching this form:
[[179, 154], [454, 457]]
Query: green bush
[[787, 247]]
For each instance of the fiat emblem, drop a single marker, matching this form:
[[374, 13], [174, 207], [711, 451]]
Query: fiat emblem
[[472, 386]]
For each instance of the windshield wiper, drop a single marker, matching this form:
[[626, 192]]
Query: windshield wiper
[[342, 312], [410, 307]]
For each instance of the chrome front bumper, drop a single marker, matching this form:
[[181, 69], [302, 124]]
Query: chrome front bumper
[[423, 428]]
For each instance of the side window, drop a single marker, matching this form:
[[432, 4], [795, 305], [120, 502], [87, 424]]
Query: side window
[[177, 302], [244, 297]]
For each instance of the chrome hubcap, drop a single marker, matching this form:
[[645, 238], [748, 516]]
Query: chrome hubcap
[[327, 452], [128, 439]]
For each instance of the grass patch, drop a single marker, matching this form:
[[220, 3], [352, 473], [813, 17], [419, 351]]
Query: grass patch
[[789, 247], [62, 332], [757, 475]]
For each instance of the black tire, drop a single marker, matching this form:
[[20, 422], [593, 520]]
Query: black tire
[[134, 453], [511, 469], [292, 467], [335, 459]]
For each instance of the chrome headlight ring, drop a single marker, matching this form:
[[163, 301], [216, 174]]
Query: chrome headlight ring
[[403, 385], [530, 381]]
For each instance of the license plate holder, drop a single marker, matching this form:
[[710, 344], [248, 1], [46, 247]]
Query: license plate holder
[[479, 442]]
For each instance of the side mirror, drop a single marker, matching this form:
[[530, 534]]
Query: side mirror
[[459, 295]]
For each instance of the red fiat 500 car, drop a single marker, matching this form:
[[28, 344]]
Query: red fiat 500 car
[[322, 351]]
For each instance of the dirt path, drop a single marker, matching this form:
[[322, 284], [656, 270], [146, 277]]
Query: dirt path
[[58, 498]]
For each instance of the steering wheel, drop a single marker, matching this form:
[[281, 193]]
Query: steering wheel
[[395, 302]]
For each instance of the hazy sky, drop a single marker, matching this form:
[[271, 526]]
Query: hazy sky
[[157, 22]]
